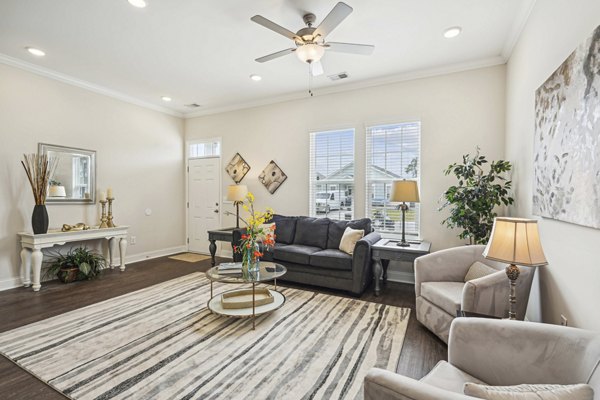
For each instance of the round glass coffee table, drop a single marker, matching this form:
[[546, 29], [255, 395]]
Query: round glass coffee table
[[267, 272]]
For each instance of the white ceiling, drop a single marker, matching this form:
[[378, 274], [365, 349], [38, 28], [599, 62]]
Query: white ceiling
[[204, 51]]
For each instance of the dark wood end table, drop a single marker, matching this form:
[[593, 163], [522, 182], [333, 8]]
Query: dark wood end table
[[387, 250], [222, 235]]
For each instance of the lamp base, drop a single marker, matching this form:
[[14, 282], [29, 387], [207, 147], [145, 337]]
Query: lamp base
[[403, 244], [512, 272]]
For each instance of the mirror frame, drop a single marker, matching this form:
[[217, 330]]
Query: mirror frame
[[43, 148]]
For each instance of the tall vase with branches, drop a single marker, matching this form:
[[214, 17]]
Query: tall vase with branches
[[473, 201], [39, 169]]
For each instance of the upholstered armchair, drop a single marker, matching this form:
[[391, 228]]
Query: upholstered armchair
[[441, 289], [499, 353]]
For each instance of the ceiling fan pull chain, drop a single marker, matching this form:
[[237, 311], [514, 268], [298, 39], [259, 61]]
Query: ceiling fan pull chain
[[310, 80]]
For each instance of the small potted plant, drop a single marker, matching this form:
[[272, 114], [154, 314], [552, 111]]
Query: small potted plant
[[56, 189], [77, 264]]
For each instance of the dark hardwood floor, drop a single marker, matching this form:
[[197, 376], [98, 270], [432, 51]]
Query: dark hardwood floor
[[21, 306]]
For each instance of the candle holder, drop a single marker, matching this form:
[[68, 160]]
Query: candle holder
[[103, 219], [110, 222]]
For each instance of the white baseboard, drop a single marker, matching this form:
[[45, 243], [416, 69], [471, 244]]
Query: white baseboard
[[10, 283], [154, 254], [403, 277], [14, 282]]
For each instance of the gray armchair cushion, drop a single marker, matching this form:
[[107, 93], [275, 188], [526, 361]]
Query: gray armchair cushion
[[530, 392], [332, 259], [295, 253], [312, 232], [285, 227], [445, 295], [447, 376], [337, 228]]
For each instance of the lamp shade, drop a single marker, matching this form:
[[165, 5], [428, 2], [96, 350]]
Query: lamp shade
[[237, 192], [515, 241], [310, 52], [404, 191]]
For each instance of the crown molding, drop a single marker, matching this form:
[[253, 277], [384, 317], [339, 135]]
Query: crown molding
[[517, 27], [386, 80], [48, 73]]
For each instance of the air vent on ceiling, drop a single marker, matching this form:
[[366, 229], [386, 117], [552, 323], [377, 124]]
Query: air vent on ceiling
[[337, 77], [193, 105]]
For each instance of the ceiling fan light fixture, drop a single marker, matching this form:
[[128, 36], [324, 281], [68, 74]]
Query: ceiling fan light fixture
[[138, 3], [310, 52]]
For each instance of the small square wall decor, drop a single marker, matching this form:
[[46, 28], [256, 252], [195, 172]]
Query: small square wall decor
[[237, 168], [272, 177]]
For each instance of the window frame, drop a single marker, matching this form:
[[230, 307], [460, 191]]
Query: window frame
[[388, 182]]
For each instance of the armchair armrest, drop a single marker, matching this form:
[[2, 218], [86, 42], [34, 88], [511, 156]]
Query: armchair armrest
[[523, 352], [361, 262], [487, 295], [450, 265], [380, 384]]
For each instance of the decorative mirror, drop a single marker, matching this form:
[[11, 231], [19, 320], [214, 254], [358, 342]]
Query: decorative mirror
[[74, 180]]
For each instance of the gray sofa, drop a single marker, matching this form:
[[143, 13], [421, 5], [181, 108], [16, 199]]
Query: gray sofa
[[309, 249], [499, 353]]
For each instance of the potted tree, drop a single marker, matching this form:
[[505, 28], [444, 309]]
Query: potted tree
[[473, 200], [77, 264]]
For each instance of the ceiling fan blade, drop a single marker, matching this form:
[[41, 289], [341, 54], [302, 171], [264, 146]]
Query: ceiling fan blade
[[333, 19], [259, 19], [352, 48], [316, 68], [275, 55]]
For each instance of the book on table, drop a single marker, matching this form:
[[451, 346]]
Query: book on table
[[230, 268]]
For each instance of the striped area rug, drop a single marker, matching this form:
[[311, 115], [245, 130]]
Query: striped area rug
[[163, 343]]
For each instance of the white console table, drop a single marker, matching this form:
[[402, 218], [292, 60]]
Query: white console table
[[32, 245]]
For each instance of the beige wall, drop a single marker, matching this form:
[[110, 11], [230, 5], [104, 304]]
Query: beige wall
[[140, 154], [458, 111], [569, 285]]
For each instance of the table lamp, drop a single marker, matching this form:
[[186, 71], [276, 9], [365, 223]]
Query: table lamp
[[404, 191], [237, 194], [515, 241]]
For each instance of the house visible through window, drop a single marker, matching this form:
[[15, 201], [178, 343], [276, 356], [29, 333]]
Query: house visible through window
[[331, 192], [393, 152]]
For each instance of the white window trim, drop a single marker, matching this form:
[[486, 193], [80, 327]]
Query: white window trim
[[188, 143]]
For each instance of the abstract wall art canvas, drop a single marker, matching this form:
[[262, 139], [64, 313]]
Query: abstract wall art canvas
[[567, 139], [272, 177], [237, 168]]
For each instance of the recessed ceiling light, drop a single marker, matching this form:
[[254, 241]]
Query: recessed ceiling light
[[137, 3], [452, 32], [166, 98], [255, 77], [36, 52]]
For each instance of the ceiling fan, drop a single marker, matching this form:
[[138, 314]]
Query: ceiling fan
[[310, 42]]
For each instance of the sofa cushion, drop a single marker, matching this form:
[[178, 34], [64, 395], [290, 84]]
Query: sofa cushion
[[332, 259], [285, 227], [295, 253], [337, 228], [445, 295], [312, 232], [447, 376]]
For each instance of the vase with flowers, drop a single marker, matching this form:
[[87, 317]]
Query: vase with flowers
[[257, 231]]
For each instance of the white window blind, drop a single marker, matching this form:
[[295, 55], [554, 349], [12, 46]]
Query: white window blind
[[331, 192], [393, 152], [204, 149]]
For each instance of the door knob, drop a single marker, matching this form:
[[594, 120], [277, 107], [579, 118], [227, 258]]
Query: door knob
[[216, 204], [216, 211]]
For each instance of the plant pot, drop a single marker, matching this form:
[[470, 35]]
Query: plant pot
[[68, 274], [39, 219]]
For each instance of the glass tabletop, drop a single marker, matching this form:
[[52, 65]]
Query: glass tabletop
[[268, 271]]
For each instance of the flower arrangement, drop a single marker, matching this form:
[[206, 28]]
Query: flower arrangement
[[257, 231]]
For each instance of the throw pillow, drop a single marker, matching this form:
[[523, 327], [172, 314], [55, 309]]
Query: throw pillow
[[265, 228], [530, 392], [349, 239], [479, 270]]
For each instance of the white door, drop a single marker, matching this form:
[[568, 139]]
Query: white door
[[204, 190]]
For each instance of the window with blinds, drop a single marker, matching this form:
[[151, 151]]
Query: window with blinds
[[393, 152], [331, 192]]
